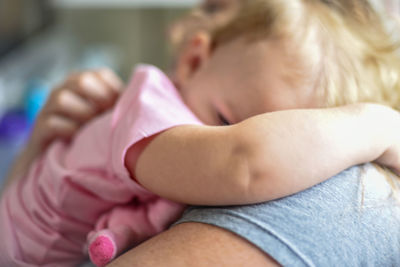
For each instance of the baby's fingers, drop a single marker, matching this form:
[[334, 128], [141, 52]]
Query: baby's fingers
[[111, 79], [56, 126], [100, 88], [72, 106]]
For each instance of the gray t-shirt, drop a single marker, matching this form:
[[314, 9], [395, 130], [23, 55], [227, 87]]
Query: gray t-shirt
[[353, 219]]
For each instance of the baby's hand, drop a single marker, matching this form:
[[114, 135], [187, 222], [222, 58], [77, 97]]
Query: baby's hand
[[78, 99]]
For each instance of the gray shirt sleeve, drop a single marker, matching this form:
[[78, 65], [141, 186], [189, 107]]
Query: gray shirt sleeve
[[353, 219]]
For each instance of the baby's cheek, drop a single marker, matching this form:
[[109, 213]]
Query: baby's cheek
[[200, 108]]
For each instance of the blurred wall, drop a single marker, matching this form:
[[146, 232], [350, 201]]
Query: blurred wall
[[139, 35]]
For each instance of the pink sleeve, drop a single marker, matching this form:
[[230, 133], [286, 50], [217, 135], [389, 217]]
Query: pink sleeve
[[151, 105]]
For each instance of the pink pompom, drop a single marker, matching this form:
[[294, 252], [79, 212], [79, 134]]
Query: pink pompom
[[102, 250]]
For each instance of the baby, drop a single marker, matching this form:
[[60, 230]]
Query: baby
[[110, 185]]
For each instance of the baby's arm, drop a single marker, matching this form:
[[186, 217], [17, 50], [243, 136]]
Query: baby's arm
[[267, 156]]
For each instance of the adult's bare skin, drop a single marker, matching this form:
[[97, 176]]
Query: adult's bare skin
[[195, 245]]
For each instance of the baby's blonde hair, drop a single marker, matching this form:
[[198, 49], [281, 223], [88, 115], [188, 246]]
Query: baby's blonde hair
[[340, 47]]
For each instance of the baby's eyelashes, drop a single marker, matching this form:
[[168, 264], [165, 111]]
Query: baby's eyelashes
[[223, 120]]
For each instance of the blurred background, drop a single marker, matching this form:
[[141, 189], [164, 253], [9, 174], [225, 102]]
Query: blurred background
[[41, 41]]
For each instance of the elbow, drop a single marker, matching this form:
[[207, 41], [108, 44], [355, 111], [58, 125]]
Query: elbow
[[251, 184], [242, 177], [256, 177], [255, 185], [246, 179]]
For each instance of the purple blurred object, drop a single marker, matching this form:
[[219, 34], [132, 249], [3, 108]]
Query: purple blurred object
[[14, 130], [13, 126]]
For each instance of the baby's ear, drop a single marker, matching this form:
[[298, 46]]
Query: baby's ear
[[195, 53]]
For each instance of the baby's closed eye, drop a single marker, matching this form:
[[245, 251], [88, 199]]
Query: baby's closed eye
[[223, 121]]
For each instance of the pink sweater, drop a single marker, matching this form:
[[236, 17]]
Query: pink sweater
[[82, 186]]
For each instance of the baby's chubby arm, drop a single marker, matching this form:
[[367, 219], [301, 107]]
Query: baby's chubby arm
[[267, 156]]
